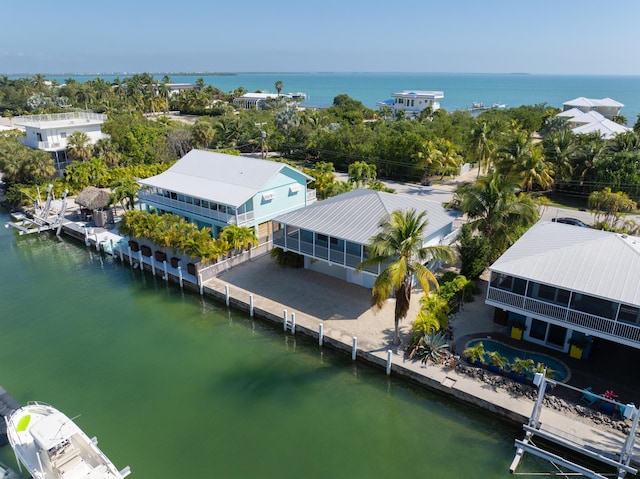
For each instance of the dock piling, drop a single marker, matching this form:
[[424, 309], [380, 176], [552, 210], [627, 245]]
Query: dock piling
[[251, 305], [130, 257], [320, 334], [388, 362], [153, 266], [354, 348], [293, 323], [200, 284], [180, 276], [166, 274], [284, 319], [226, 294]]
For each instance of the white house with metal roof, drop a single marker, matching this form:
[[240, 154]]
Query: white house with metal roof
[[50, 132], [215, 189], [582, 123], [564, 282], [332, 234], [606, 106], [412, 102]]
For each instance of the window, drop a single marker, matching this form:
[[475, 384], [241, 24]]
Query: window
[[268, 196], [63, 134], [628, 314]]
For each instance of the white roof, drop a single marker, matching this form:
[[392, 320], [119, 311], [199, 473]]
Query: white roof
[[592, 121], [594, 262], [355, 216], [419, 93], [593, 103], [261, 96], [52, 430], [579, 116], [226, 179]]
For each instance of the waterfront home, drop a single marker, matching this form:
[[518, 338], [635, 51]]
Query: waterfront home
[[332, 234], [50, 132], [606, 106], [214, 190], [258, 101], [565, 285], [412, 102], [583, 123]]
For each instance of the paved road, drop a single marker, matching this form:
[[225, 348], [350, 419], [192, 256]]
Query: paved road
[[444, 193]]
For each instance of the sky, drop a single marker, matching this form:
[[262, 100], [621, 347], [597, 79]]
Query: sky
[[576, 37]]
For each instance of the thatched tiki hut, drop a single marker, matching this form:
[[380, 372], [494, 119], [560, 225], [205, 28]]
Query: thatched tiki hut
[[94, 202]]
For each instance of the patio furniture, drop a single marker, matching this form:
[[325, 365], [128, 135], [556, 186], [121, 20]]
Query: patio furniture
[[606, 407], [588, 397]]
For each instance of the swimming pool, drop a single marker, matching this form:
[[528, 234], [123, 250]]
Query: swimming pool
[[562, 372]]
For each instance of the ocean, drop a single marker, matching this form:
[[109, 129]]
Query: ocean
[[460, 90]]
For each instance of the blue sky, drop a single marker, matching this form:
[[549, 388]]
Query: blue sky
[[490, 36]]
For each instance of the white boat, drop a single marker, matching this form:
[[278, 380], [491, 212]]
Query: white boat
[[51, 446]]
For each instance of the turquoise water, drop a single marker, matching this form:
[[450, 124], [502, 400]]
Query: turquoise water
[[460, 90], [180, 387], [562, 372]]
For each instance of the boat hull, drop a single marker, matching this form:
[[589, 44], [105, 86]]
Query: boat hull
[[51, 446]]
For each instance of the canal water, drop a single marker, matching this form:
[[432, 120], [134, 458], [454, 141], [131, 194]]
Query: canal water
[[177, 386]]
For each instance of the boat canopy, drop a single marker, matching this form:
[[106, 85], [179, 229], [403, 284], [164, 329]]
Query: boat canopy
[[52, 430]]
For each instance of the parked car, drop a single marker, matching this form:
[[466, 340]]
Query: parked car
[[571, 221]]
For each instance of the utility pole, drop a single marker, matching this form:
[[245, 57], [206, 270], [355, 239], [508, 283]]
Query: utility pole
[[263, 150]]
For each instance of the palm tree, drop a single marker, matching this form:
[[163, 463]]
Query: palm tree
[[399, 245], [278, 86], [480, 136], [239, 237], [125, 192], [78, 146], [495, 208], [534, 169], [361, 173]]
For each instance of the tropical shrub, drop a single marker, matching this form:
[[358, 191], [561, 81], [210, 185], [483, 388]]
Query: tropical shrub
[[432, 346], [287, 259]]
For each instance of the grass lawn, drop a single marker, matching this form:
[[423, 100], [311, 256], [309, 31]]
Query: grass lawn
[[565, 201]]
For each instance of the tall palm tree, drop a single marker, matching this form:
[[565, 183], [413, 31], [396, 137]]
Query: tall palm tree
[[399, 245], [481, 145], [559, 149], [495, 208], [279, 86]]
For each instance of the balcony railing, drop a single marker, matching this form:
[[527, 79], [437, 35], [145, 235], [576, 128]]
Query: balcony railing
[[607, 327], [207, 213], [311, 195]]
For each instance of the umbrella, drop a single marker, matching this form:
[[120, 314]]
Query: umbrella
[[93, 198]]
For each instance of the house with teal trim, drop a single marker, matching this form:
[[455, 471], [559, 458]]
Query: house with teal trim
[[214, 190], [567, 285], [332, 234]]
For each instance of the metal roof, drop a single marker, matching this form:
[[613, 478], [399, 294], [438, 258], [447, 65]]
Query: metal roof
[[594, 262], [355, 216], [217, 177], [593, 103]]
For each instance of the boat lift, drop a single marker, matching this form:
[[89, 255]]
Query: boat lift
[[621, 461], [43, 219]]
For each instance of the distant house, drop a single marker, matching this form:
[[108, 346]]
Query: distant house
[[412, 102], [587, 116], [255, 101], [606, 107], [582, 123], [50, 132], [566, 283], [332, 234], [215, 190]]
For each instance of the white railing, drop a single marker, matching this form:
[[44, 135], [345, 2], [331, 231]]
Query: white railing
[[214, 270], [311, 195], [567, 315], [207, 213], [76, 115]]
